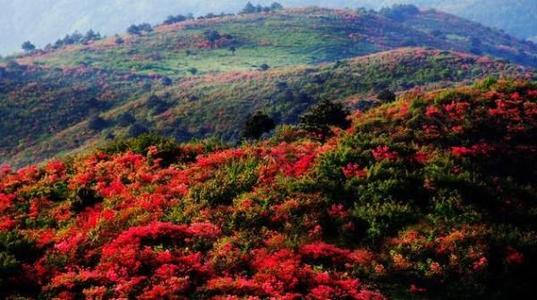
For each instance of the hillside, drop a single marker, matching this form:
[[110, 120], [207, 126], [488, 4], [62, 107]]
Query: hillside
[[49, 110], [286, 37], [428, 197], [43, 21], [202, 77]]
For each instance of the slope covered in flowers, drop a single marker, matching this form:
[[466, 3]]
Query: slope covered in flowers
[[430, 197]]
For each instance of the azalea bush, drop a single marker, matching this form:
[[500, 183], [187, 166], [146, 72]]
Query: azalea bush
[[432, 196]]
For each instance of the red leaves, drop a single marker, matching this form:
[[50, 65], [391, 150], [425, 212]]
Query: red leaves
[[481, 149], [5, 201], [384, 153], [354, 170], [282, 236], [323, 251], [414, 289], [162, 249], [514, 257]]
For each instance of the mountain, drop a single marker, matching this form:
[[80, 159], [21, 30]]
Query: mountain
[[429, 197], [50, 110], [43, 21], [286, 37], [181, 82], [514, 17]]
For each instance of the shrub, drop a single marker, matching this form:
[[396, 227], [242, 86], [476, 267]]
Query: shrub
[[119, 40], [28, 46], [137, 129], [386, 96], [257, 124], [97, 123], [264, 67], [323, 115], [125, 119], [175, 19], [139, 29]]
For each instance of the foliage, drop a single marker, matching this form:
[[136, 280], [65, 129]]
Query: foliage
[[428, 197], [257, 124], [323, 115], [175, 19], [96, 123], [251, 9], [139, 29], [75, 38], [386, 96], [28, 46]]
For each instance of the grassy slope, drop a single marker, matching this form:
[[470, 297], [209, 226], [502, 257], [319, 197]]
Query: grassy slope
[[431, 197], [290, 37], [218, 104]]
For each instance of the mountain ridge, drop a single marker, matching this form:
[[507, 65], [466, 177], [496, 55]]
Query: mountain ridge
[[113, 16]]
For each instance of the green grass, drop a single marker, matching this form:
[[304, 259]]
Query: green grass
[[283, 39]]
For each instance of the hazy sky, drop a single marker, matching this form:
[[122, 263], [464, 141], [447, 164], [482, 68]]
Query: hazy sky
[[44, 21]]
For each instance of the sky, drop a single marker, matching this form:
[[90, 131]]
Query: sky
[[44, 21]]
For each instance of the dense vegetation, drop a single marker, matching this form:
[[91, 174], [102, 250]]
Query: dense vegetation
[[179, 77], [49, 110], [430, 196]]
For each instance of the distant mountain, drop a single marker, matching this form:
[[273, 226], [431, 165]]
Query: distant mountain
[[516, 17], [44, 21]]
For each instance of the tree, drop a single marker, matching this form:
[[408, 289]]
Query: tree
[[139, 29], [74, 38], [193, 71], [323, 115], [134, 30], [257, 124], [125, 119], [264, 67], [249, 9], [119, 40], [97, 123], [386, 96], [137, 129], [91, 36], [145, 27], [276, 6], [174, 19], [157, 105], [212, 36], [28, 46]]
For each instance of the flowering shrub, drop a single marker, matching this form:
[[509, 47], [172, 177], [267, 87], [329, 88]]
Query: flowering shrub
[[399, 205]]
